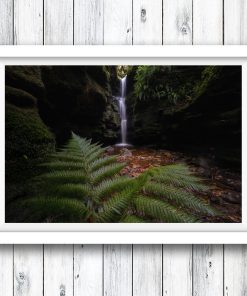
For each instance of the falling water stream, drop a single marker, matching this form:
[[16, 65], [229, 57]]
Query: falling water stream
[[122, 112]]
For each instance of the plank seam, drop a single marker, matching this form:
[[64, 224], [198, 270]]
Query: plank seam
[[132, 23], [103, 270], [132, 269], [162, 263], [223, 22], [192, 270], [13, 20], [13, 266], [73, 34], [162, 40], [43, 22], [73, 290], [192, 27], [223, 270]]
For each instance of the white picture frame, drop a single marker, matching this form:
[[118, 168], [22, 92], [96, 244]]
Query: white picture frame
[[111, 233]]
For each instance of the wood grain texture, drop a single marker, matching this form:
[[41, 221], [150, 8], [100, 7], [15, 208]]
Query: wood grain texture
[[208, 22], [177, 270], [177, 22], [147, 270], [6, 270], [28, 22], [235, 22], [88, 270], [6, 22], [147, 22], [58, 270], [28, 270], [235, 270], [118, 22], [58, 22], [207, 270], [88, 22], [118, 270]]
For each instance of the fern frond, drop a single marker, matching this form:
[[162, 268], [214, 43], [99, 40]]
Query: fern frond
[[161, 210], [64, 177], [84, 185], [75, 191], [179, 175], [110, 186], [63, 165], [132, 219], [101, 162], [114, 208], [106, 172], [179, 196], [57, 209]]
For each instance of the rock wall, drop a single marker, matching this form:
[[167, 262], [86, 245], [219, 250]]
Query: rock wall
[[210, 122], [44, 104]]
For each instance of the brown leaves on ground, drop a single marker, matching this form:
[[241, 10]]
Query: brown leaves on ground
[[225, 193]]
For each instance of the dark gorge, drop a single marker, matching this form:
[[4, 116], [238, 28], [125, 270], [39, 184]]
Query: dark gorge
[[175, 115]]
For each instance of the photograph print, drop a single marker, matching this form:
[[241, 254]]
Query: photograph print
[[123, 144]]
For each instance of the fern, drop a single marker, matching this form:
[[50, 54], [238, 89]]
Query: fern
[[82, 174], [84, 185]]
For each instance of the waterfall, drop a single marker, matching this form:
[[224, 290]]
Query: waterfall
[[122, 111]]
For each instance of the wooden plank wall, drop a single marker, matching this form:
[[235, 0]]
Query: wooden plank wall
[[123, 270], [123, 22]]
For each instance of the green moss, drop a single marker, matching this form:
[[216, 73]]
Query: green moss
[[19, 97], [208, 74], [27, 78], [26, 135]]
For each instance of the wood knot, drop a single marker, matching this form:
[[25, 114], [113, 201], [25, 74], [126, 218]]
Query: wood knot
[[184, 29], [62, 290], [20, 278], [143, 14]]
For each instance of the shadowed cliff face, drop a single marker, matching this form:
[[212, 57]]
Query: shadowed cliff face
[[80, 99], [209, 122], [44, 104], [67, 98]]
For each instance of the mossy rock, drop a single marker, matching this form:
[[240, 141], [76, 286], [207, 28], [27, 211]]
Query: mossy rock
[[27, 78], [26, 135], [19, 97]]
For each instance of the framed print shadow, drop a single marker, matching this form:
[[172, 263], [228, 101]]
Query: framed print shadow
[[124, 144]]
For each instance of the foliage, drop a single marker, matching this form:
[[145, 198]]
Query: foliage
[[123, 70], [177, 84], [84, 185]]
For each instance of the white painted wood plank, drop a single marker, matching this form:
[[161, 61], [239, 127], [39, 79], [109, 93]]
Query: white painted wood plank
[[207, 270], [177, 22], [88, 270], [58, 270], [118, 270], [118, 22], [235, 22], [208, 21], [147, 270], [58, 22], [28, 270], [147, 22], [6, 270], [28, 22], [88, 22], [177, 270], [235, 270], [6, 22]]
